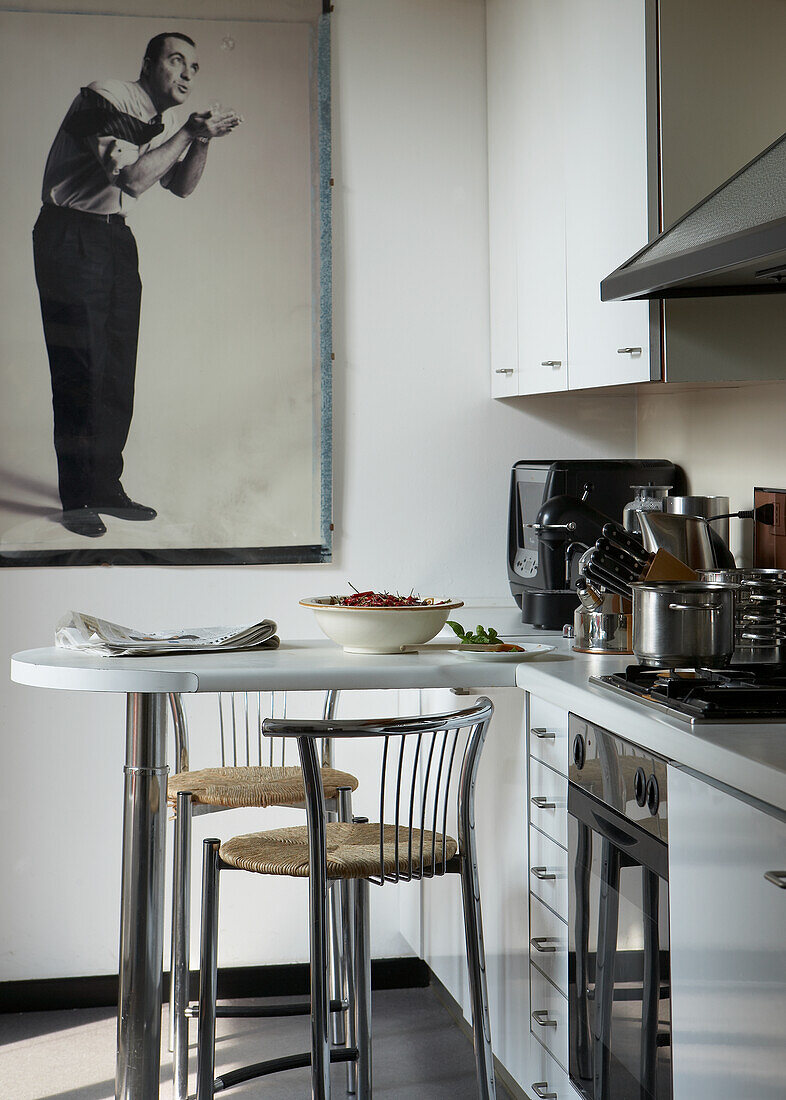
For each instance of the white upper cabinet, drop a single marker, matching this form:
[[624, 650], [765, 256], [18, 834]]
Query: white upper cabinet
[[526, 198], [505, 26], [608, 120], [606, 221], [567, 191], [540, 206]]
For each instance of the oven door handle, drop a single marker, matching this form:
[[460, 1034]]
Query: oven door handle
[[618, 836], [639, 844]]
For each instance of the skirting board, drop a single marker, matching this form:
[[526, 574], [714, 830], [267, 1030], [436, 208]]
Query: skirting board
[[99, 991]]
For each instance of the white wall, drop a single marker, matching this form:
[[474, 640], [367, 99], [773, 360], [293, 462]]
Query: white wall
[[422, 457], [728, 440]]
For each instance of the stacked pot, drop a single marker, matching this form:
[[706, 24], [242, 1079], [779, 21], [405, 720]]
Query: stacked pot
[[759, 612], [683, 624]]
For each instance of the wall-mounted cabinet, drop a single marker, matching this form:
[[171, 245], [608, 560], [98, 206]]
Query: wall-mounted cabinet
[[608, 121], [526, 197], [567, 191]]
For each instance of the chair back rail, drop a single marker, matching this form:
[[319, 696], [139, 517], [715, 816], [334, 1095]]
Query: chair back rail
[[427, 774], [240, 738]]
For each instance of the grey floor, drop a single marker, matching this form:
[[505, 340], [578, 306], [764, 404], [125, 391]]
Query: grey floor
[[418, 1052]]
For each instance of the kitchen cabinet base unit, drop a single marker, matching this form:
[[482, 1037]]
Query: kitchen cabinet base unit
[[549, 1079], [727, 870], [549, 1016]]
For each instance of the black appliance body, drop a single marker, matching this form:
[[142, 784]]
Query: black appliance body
[[619, 1032], [555, 510]]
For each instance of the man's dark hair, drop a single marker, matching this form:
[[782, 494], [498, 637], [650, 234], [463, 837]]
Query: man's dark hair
[[155, 46]]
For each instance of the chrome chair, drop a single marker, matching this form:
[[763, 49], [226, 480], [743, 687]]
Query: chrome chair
[[426, 762], [253, 773]]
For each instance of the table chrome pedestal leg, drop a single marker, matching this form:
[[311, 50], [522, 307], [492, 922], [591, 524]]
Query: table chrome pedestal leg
[[142, 900]]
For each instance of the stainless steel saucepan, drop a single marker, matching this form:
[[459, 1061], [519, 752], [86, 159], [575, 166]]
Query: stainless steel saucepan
[[683, 624]]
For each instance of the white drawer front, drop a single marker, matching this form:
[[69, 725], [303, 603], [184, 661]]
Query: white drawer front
[[548, 802], [549, 1079], [548, 872], [548, 733], [548, 1016], [548, 943]]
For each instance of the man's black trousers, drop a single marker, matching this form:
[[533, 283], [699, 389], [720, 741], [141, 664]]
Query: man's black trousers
[[88, 281]]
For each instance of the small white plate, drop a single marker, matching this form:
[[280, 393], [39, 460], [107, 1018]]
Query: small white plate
[[484, 653]]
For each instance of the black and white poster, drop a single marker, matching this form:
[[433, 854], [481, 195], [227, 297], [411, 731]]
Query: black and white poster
[[165, 339]]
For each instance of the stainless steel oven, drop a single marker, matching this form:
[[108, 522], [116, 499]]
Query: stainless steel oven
[[618, 936]]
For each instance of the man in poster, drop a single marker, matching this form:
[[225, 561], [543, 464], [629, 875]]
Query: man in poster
[[118, 138]]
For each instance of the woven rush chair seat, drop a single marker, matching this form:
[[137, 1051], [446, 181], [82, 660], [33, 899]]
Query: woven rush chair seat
[[353, 851], [263, 786]]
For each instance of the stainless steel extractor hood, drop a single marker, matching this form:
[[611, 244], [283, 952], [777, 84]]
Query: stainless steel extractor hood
[[732, 242]]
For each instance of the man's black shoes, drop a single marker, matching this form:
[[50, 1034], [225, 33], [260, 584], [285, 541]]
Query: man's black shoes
[[86, 520], [83, 521], [121, 506]]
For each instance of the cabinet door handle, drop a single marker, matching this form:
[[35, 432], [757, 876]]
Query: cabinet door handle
[[539, 943], [504, 370], [543, 803], [542, 1018], [544, 874], [538, 1088], [628, 351], [777, 878], [553, 363], [543, 733]]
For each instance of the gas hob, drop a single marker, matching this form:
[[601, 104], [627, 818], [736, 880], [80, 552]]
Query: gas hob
[[753, 693]]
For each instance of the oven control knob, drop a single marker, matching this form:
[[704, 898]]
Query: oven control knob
[[640, 787], [653, 795], [578, 751]]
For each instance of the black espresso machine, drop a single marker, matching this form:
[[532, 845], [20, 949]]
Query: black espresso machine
[[556, 510]]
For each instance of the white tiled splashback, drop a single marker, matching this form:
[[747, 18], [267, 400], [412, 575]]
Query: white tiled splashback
[[726, 439]]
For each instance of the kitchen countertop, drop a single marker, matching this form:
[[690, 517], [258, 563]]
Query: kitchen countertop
[[304, 665], [750, 759]]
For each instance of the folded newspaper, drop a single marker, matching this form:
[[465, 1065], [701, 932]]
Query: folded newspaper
[[91, 635]]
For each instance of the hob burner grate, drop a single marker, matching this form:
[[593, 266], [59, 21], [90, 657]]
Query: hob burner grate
[[755, 693]]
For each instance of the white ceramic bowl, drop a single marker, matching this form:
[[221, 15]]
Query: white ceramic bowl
[[379, 629]]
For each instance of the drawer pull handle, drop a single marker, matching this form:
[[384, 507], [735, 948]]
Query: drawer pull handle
[[542, 1018], [553, 363], [777, 878], [538, 1088], [540, 942], [628, 351], [543, 803], [543, 733], [544, 874], [504, 370]]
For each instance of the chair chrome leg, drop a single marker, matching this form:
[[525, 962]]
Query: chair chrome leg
[[337, 1019], [476, 966], [318, 922], [346, 899], [208, 971], [362, 966], [181, 936]]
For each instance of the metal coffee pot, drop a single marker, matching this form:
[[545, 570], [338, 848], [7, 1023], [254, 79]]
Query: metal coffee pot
[[689, 538]]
